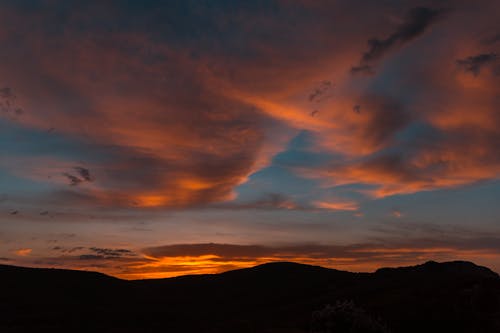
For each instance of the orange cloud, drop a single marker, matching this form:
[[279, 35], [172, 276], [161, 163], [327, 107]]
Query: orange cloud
[[340, 205], [172, 122], [23, 252]]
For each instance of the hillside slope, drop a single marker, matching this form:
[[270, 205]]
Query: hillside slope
[[276, 297]]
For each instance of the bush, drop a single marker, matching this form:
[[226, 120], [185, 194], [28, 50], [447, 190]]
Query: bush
[[345, 317]]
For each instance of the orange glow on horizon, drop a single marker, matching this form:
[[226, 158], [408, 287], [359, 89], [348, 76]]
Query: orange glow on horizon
[[355, 260]]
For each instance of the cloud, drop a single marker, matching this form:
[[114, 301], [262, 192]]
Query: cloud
[[111, 252], [417, 21], [9, 104], [67, 250], [337, 205], [84, 173], [228, 251], [73, 180], [278, 201], [6, 93], [181, 143], [474, 64], [321, 92], [97, 252], [23, 252], [178, 118], [389, 245], [107, 260], [362, 69], [384, 118], [447, 164], [91, 257]]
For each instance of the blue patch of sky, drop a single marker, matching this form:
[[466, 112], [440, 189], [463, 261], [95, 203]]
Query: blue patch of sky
[[474, 204], [16, 140], [11, 184]]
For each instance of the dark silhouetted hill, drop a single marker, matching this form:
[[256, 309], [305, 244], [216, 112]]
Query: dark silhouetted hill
[[276, 297]]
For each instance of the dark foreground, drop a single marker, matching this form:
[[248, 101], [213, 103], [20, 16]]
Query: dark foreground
[[278, 297]]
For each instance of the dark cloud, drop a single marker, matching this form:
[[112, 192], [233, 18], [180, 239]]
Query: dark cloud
[[229, 251], [8, 102], [98, 251], [73, 180], [362, 69], [474, 64], [321, 92], [84, 173], [6, 93], [68, 250], [416, 22], [91, 257], [111, 252]]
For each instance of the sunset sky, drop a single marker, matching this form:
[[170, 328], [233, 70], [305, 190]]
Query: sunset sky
[[150, 139]]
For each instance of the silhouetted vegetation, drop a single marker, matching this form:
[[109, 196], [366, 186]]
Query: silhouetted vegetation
[[345, 317]]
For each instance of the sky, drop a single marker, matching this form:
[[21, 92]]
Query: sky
[[150, 139]]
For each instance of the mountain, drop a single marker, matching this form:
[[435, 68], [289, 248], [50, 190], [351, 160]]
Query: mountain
[[276, 297]]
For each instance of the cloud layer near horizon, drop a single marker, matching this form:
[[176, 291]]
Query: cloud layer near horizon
[[208, 258]]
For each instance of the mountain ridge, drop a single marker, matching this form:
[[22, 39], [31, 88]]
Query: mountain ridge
[[274, 297], [272, 265]]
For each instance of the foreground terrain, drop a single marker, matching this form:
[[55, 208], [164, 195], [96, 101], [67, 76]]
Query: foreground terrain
[[276, 297]]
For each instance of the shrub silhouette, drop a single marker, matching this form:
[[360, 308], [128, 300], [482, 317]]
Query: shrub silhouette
[[345, 317]]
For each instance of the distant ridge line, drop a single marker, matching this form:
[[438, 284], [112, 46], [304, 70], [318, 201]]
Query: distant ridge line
[[428, 265]]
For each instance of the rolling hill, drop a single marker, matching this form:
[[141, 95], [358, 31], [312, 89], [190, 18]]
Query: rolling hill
[[276, 297]]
